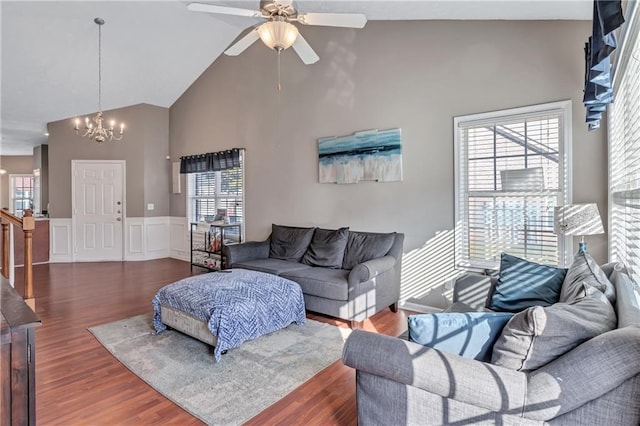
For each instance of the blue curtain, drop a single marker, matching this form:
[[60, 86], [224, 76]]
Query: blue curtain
[[210, 162], [598, 92]]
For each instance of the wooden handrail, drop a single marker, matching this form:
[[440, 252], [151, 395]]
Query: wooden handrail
[[27, 223]]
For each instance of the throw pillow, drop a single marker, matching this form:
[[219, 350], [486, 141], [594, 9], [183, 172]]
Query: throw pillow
[[363, 246], [585, 270], [538, 335], [523, 284], [327, 248], [289, 243], [469, 334]]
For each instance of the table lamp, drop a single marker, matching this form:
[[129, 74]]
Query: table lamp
[[578, 219]]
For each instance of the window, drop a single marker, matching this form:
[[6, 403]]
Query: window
[[22, 187], [624, 153], [209, 191], [512, 169]]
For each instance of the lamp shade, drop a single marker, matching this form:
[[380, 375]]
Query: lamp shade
[[278, 35], [577, 219]]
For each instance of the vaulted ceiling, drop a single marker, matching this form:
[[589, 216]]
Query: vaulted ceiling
[[152, 51]]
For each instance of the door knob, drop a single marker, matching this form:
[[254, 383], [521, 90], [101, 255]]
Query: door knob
[[118, 203], [118, 219]]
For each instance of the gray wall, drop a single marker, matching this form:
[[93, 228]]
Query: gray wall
[[144, 148], [41, 162], [157, 169], [413, 75], [16, 164]]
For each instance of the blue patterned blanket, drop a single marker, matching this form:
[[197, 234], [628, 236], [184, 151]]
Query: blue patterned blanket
[[238, 305]]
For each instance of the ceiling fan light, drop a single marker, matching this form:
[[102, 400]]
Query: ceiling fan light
[[278, 35]]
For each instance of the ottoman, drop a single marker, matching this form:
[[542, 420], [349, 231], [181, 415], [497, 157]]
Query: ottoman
[[226, 308]]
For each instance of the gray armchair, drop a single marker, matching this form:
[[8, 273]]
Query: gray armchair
[[597, 383]]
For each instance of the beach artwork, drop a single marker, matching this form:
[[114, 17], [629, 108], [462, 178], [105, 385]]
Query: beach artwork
[[370, 155]]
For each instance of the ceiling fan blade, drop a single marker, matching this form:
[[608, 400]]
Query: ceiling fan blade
[[242, 44], [348, 20], [304, 50], [210, 8]]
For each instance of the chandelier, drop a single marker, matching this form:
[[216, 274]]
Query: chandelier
[[93, 128]]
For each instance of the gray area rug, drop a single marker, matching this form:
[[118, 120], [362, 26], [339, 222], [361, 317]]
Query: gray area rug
[[247, 380]]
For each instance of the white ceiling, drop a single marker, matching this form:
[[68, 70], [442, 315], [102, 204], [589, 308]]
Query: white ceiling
[[152, 51]]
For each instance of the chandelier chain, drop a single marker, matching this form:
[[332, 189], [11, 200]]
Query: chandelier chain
[[94, 128], [99, 67]]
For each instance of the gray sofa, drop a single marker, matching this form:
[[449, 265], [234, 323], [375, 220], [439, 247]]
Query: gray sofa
[[596, 383], [345, 274]]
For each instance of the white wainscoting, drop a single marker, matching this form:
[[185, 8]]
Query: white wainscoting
[[145, 238], [60, 243], [179, 239], [134, 239]]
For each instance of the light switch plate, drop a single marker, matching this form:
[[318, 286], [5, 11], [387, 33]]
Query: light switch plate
[[150, 206]]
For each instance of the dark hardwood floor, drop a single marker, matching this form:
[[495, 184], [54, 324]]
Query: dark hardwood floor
[[80, 383]]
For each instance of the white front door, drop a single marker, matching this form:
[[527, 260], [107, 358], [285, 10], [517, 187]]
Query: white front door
[[98, 209]]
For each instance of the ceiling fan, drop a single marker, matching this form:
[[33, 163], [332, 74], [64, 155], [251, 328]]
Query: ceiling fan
[[278, 32]]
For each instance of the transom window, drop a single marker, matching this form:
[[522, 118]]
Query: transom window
[[512, 169]]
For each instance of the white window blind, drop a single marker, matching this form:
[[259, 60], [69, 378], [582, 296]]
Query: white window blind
[[510, 173], [624, 153], [207, 192]]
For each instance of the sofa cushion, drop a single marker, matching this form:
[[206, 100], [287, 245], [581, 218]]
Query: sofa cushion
[[470, 334], [523, 284], [627, 307], [270, 266], [321, 282], [289, 243], [585, 270], [327, 248], [538, 335], [363, 246]]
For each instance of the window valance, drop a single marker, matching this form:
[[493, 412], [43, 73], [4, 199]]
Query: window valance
[[211, 161], [598, 91]]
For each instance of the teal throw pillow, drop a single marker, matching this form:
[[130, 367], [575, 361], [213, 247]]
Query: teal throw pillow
[[523, 284], [469, 334]]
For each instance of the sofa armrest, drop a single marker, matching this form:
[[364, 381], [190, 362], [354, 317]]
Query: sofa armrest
[[250, 250], [365, 271], [447, 375], [583, 374]]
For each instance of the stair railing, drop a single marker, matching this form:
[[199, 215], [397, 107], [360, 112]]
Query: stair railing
[[27, 223]]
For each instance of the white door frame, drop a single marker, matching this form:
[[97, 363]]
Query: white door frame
[[74, 164]]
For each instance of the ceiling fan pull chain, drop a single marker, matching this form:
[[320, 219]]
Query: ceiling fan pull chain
[[279, 84]]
